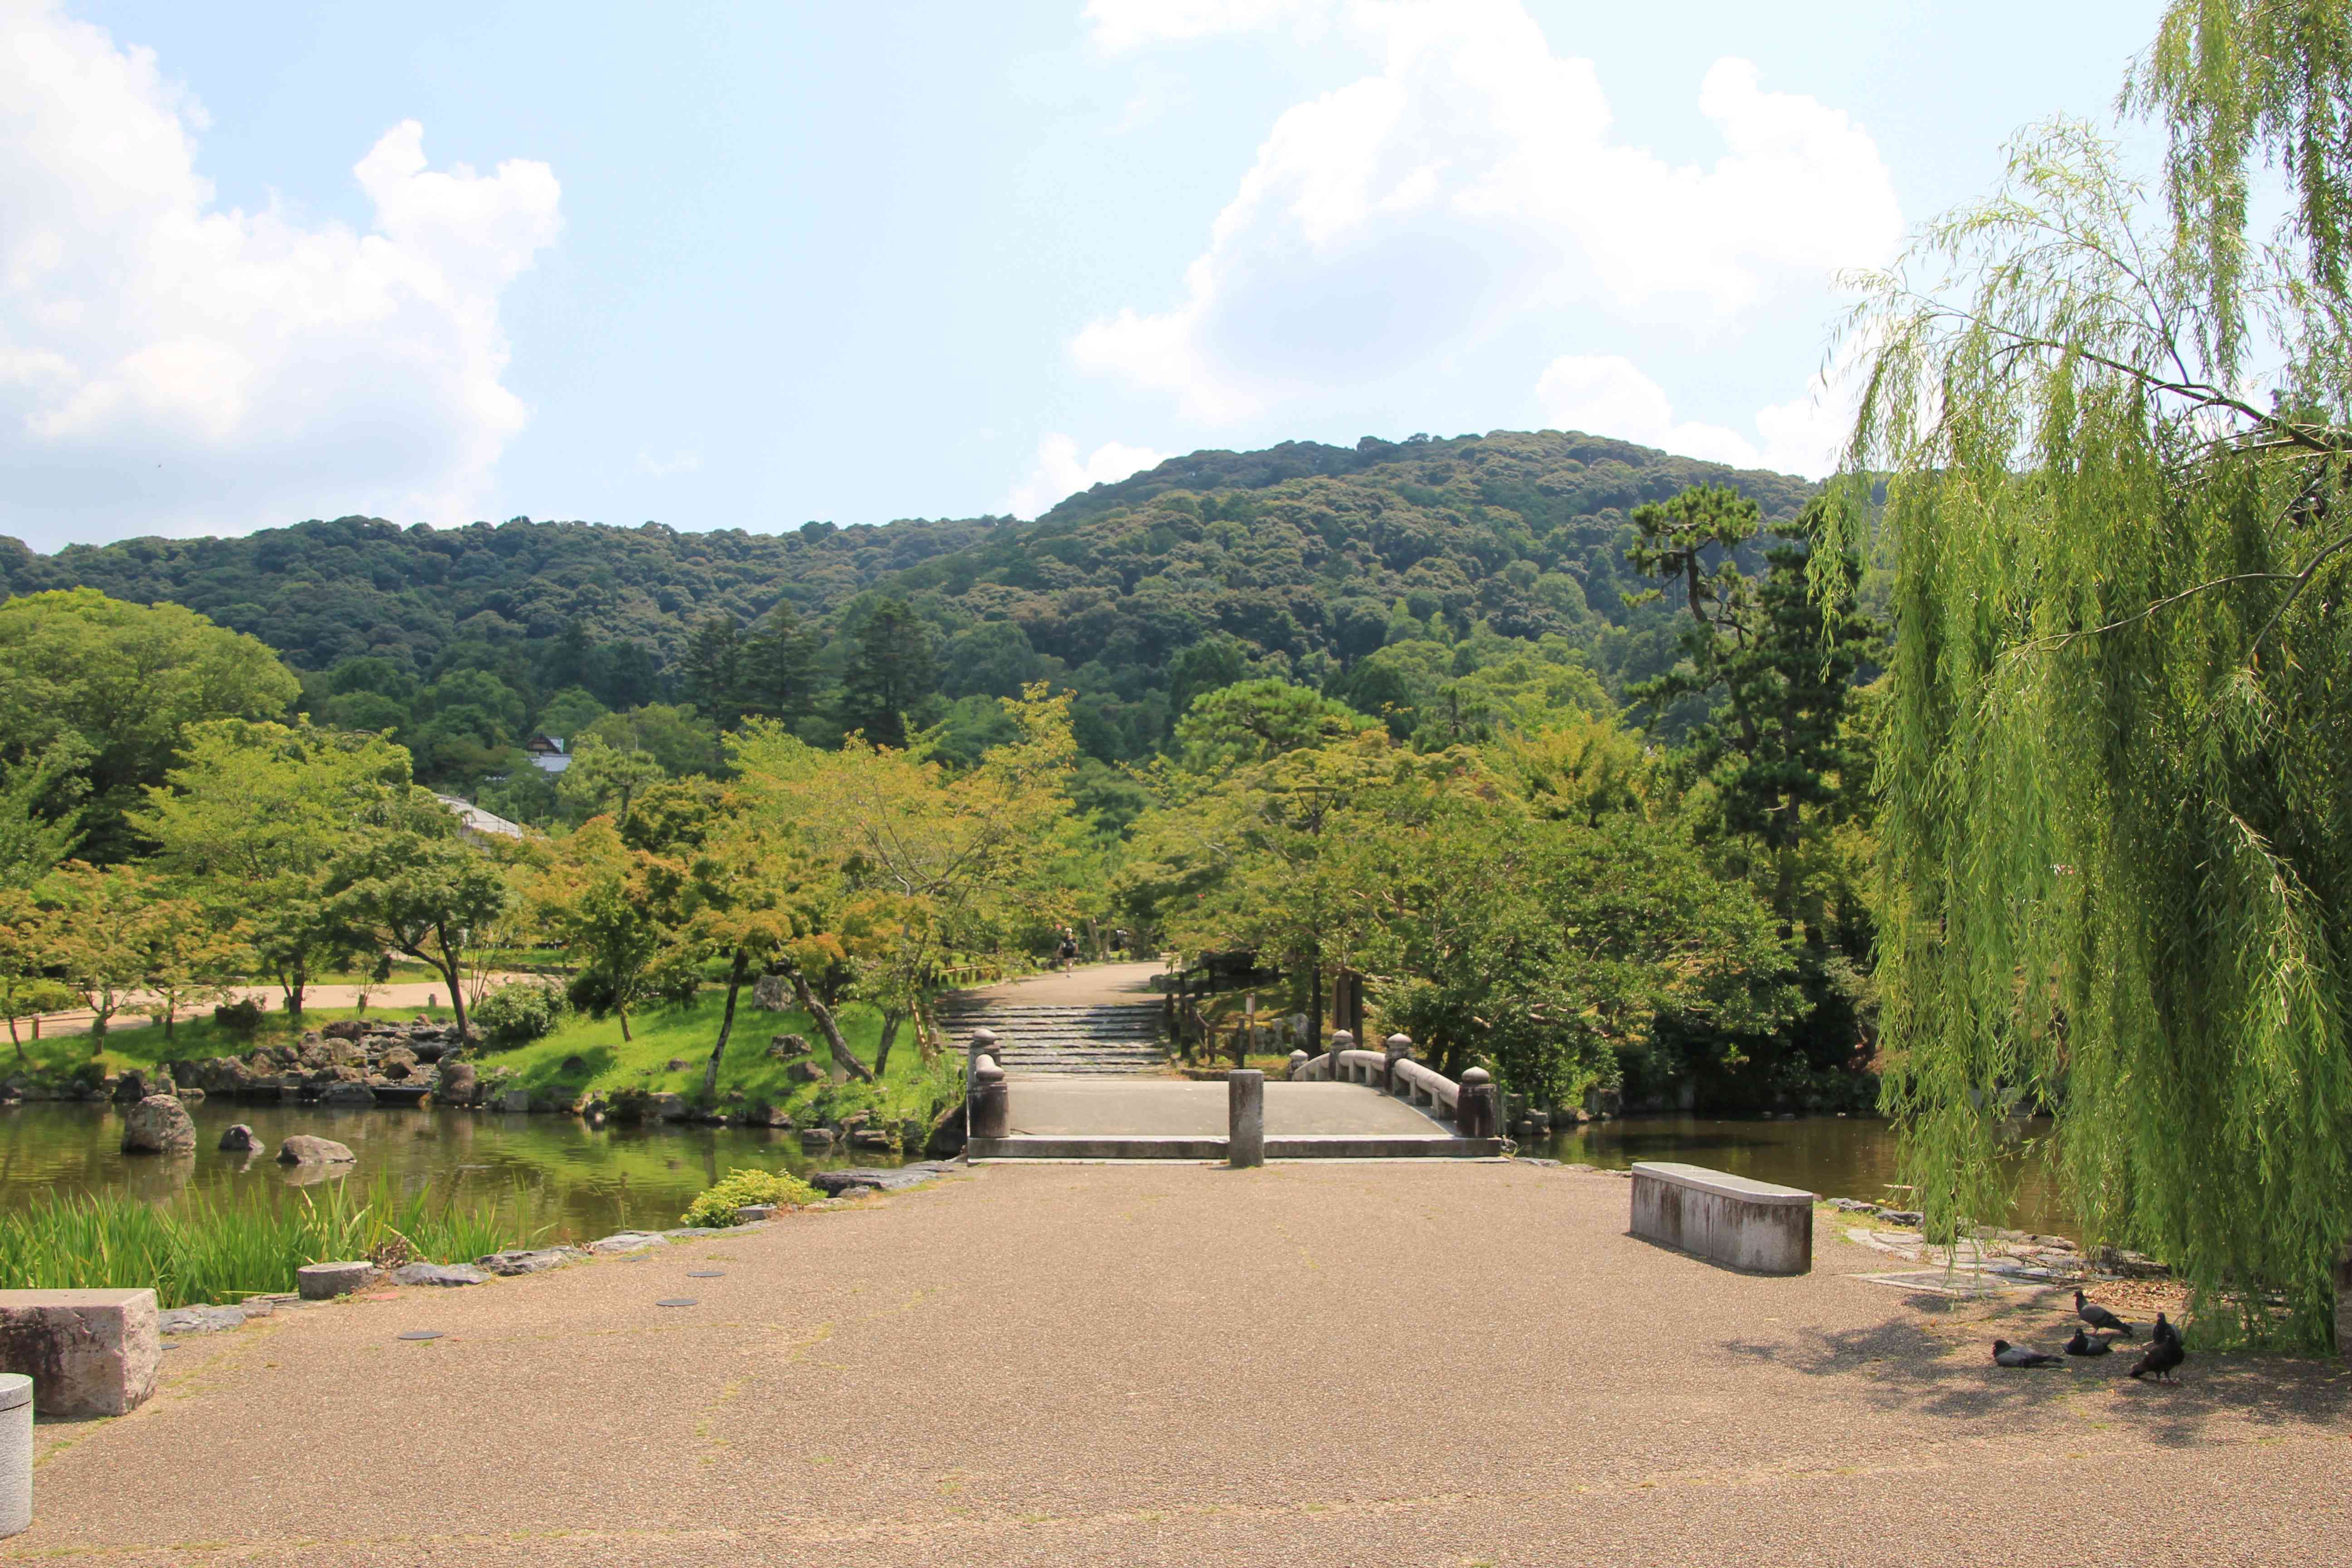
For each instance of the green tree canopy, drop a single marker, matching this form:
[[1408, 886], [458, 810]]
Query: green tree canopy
[[125, 680]]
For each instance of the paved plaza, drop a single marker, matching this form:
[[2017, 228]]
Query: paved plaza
[[1326, 1362]]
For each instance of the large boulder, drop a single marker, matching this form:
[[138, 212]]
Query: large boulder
[[302, 1149], [131, 1088], [396, 1063], [457, 1085], [344, 1029], [158, 1124], [240, 1139]]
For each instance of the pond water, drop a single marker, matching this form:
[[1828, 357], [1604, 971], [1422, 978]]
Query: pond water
[[1836, 1156], [572, 1183]]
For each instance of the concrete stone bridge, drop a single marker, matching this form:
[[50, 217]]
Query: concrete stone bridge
[[1074, 1066]]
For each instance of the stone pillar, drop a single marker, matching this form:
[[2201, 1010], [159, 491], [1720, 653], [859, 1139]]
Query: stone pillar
[[1298, 1061], [991, 1100], [1244, 1118], [15, 1453], [1399, 1049], [981, 1044], [1473, 1113], [1340, 1041]]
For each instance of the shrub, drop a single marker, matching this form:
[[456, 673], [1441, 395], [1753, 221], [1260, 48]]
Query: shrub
[[717, 1207], [240, 1018], [518, 1012]]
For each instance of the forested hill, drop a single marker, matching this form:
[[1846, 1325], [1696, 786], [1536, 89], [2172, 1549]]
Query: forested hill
[[1298, 559]]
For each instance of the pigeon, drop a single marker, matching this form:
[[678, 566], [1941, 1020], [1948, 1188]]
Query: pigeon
[[2008, 1354], [2164, 1330], [2098, 1317], [2161, 1357], [2083, 1344]]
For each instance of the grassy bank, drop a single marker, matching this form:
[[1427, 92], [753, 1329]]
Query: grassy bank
[[585, 1054], [197, 1250]]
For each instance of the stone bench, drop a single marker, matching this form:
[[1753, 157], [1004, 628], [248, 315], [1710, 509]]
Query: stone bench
[[89, 1353], [1754, 1227]]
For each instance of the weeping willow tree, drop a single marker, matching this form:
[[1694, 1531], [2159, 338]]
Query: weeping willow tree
[[2114, 435]]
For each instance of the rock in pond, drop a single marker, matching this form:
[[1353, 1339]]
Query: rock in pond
[[456, 1084], [836, 1183], [238, 1139], [158, 1124], [304, 1149], [438, 1274]]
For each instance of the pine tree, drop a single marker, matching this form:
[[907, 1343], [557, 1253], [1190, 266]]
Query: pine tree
[[778, 674], [711, 673], [891, 670]]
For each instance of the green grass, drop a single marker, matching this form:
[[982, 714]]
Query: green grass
[[607, 1063], [198, 1249]]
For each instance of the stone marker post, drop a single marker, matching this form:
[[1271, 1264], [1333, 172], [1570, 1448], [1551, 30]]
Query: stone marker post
[[1298, 1061], [1473, 1112], [1244, 1118], [15, 1453], [991, 1100], [1399, 1049], [981, 1044]]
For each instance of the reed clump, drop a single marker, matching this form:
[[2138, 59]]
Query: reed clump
[[199, 1248]]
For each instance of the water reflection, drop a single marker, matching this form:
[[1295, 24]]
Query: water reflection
[[1836, 1156], [572, 1182]]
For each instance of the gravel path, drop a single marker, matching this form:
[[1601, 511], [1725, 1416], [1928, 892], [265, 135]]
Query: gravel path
[[1313, 1364]]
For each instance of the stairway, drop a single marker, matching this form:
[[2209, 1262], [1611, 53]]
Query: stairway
[[1099, 1039]]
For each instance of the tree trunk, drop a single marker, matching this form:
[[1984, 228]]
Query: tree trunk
[[448, 968], [735, 972], [890, 1021], [825, 1025], [624, 1013], [294, 984]]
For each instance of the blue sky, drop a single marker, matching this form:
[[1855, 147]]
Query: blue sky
[[744, 266]]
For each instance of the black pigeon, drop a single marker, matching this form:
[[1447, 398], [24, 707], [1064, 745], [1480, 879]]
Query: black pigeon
[[2164, 1330], [2083, 1344], [2008, 1354], [2098, 1317], [2161, 1357]]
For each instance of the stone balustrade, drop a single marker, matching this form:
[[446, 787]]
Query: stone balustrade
[[1394, 1071]]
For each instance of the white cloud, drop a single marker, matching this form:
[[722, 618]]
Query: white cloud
[[1607, 394], [1124, 25], [1471, 189], [688, 461], [166, 364], [1059, 473]]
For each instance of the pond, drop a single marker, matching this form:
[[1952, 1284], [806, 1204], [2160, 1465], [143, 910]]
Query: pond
[[1836, 1156], [574, 1184]]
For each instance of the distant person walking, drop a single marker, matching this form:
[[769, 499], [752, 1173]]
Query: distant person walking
[[1068, 953]]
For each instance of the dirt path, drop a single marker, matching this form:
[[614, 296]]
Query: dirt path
[[1321, 1364], [393, 998], [1089, 986]]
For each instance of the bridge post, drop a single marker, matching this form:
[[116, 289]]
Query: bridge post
[[1340, 1041], [1473, 1112], [981, 1044], [1244, 1118], [1399, 1049], [990, 1103], [1298, 1061]]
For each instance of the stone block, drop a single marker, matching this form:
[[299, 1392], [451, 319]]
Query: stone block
[[529, 1261], [752, 1214], [1245, 1117], [1755, 1226], [16, 1454], [89, 1353], [438, 1274], [515, 1099], [325, 1281]]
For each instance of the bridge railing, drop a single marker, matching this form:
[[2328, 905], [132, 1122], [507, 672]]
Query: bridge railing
[[1469, 1104]]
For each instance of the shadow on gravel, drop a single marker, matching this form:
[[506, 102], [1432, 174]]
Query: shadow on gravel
[[1900, 1366]]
